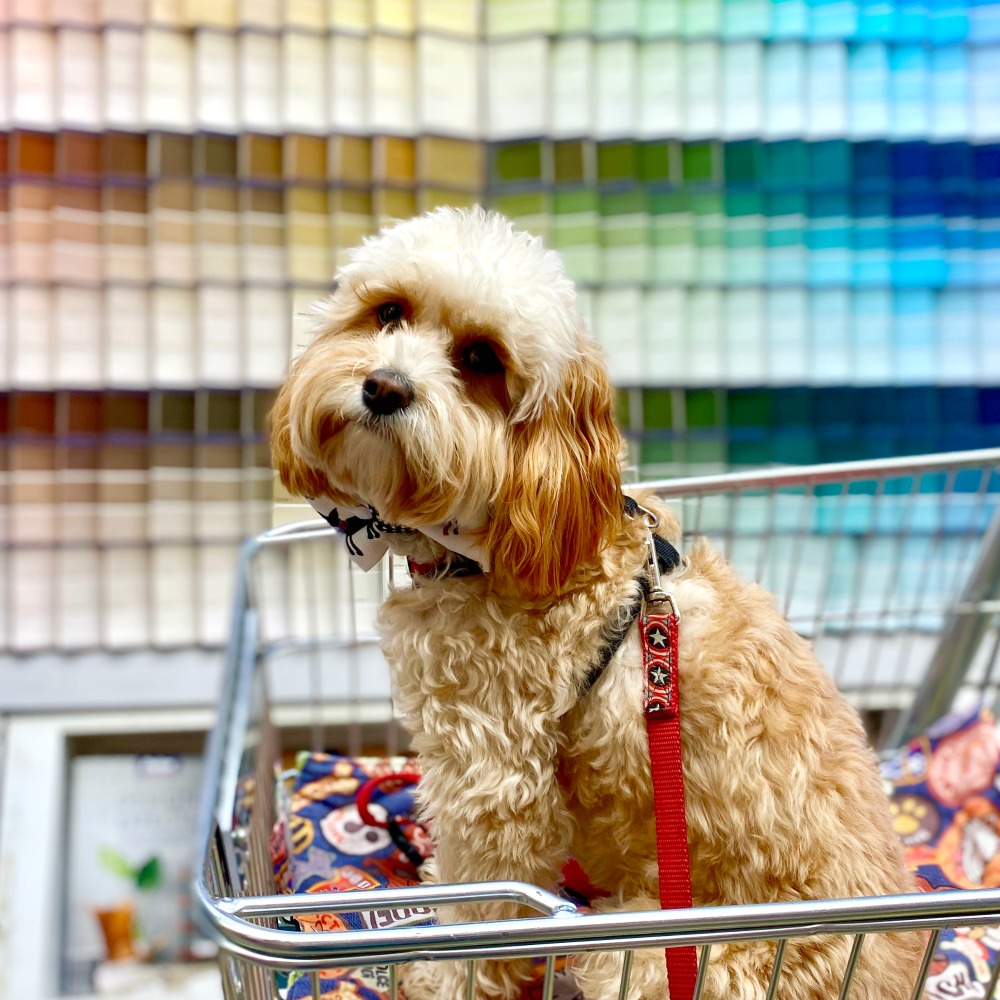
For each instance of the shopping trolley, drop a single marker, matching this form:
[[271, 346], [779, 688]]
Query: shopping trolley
[[891, 568]]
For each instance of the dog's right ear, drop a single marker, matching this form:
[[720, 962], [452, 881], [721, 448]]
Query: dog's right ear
[[297, 476], [562, 502]]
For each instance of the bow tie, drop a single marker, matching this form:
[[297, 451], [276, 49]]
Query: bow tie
[[365, 534]]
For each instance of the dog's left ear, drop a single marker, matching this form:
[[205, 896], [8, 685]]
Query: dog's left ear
[[562, 501]]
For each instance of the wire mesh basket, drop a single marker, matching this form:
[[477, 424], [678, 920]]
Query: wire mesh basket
[[890, 568]]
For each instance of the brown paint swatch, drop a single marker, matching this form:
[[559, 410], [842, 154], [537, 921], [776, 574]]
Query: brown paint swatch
[[261, 158], [172, 155], [216, 156], [32, 413], [35, 153], [176, 412], [80, 155], [125, 155], [395, 160], [126, 412], [305, 158], [352, 159]]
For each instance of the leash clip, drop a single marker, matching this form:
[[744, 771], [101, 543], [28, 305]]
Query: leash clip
[[656, 595]]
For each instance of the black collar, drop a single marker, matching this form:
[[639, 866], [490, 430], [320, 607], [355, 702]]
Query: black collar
[[617, 627]]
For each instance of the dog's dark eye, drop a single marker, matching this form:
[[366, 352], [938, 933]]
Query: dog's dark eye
[[479, 357], [389, 313]]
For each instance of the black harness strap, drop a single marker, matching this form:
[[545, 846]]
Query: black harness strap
[[618, 627]]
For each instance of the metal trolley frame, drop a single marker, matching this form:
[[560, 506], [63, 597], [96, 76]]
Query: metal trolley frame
[[892, 568]]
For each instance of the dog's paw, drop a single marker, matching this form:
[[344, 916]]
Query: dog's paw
[[424, 981], [599, 975], [429, 872], [450, 980]]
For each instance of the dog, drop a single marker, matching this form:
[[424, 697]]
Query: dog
[[451, 382]]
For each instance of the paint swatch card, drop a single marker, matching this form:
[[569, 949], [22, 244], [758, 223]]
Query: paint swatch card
[[448, 86], [173, 325], [79, 332], [742, 89], [79, 75], [830, 358], [615, 91], [958, 359], [260, 81], [745, 331], [347, 73], [617, 325], [701, 110], [989, 348], [572, 79], [304, 92], [174, 612], [220, 322], [216, 60], [872, 335], [661, 92], [32, 336], [32, 81], [76, 605], [787, 319], [784, 90], [168, 80], [127, 336], [664, 332], [517, 88], [706, 354], [392, 82]]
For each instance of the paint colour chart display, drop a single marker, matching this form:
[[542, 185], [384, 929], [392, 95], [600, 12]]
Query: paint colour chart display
[[124, 514], [783, 218]]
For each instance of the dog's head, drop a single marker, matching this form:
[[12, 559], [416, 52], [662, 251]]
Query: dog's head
[[451, 378]]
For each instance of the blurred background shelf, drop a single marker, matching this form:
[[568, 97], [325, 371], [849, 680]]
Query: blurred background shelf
[[783, 218]]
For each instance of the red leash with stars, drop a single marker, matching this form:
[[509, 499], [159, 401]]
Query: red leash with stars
[[661, 705]]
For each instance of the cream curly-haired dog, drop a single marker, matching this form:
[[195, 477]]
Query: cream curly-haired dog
[[451, 383]]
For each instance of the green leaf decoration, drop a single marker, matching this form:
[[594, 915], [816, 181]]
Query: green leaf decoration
[[148, 876], [115, 862]]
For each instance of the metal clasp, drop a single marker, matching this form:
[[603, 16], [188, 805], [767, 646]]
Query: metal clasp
[[657, 595]]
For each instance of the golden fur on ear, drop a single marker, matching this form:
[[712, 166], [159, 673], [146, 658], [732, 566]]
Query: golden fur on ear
[[562, 501], [296, 476]]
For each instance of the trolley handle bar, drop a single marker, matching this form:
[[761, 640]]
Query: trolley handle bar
[[284, 533], [247, 907], [813, 475], [559, 934]]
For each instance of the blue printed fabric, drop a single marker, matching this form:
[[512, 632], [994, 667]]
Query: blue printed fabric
[[945, 801], [328, 847], [944, 789], [321, 844]]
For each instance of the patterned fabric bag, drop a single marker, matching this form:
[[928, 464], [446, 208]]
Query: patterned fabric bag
[[945, 800], [322, 843], [944, 788]]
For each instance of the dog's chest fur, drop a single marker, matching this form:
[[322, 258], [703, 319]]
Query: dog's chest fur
[[778, 777]]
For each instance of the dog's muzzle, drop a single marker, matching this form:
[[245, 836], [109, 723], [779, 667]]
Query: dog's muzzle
[[386, 391]]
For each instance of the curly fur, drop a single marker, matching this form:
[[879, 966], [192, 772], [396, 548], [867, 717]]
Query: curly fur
[[784, 801]]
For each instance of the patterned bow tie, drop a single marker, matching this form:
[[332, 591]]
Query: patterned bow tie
[[366, 535]]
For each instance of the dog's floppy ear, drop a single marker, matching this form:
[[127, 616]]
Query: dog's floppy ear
[[299, 478], [562, 501]]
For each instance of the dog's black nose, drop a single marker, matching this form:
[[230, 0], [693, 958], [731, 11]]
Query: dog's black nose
[[385, 391]]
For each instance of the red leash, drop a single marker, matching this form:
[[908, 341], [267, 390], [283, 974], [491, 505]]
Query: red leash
[[661, 703]]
